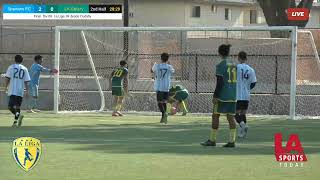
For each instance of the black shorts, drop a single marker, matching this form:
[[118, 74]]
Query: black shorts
[[162, 96], [242, 105], [15, 101]]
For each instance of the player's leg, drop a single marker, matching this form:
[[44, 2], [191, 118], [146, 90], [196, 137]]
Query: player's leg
[[114, 105], [232, 131], [230, 110], [165, 97], [18, 110], [214, 125], [115, 94], [183, 107], [214, 130], [35, 98], [12, 109], [120, 105], [181, 98], [242, 107], [160, 106], [243, 123]]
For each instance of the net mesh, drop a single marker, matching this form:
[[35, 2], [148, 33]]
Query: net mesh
[[194, 55]]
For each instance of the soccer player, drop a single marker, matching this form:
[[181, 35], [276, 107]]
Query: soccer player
[[17, 78], [162, 83], [119, 84], [246, 80], [224, 97], [35, 72], [177, 96]]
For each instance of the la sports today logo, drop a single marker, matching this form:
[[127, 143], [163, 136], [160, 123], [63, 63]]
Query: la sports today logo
[[292, 155]]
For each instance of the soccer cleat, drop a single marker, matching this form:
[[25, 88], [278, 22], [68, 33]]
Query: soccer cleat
[[119, 113], [114, 114], [165, 118], [20, 118], [30, 111], [14, 124], [208, 143], [36, 110], [230, 145], [240, 133], [245, 131], [161, 120]]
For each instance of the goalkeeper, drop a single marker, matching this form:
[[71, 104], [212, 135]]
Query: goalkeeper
[[177, 96]]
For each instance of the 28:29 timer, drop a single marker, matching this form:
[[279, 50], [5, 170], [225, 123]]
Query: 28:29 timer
[[115, 9]]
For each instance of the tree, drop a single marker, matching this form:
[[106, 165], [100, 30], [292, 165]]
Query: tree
[[275, 12]]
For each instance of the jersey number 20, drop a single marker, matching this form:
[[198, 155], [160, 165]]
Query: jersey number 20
[[18, 73]]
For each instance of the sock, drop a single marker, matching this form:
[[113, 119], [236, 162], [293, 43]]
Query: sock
[[244, 118], [238, 118], [183, 106], [12, 110], [16, 116], [169, 106], [115, 107], [119, 106], [213, 135], [232, 136], [35, 103], [165, 107]]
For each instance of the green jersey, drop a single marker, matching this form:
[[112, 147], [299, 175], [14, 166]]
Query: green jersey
[[228, 70], [118, 76], [179, 92]]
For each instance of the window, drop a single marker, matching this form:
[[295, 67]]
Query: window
[[227, 14], [196, 11], [253, 16], [214, 8]]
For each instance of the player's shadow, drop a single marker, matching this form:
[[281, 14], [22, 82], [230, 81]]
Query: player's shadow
[[180, 138]]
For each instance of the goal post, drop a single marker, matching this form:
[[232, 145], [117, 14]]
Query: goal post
[[85, 56]]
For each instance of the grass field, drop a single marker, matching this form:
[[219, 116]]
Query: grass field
[[97, 146]]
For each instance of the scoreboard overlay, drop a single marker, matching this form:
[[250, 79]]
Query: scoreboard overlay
[[62, 12]]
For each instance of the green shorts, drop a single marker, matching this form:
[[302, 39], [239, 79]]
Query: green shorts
[[225, 108], [117, 91]]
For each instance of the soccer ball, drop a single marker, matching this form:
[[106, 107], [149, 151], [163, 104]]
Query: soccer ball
[[173, 111]]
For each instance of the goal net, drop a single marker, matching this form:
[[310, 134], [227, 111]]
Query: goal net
[[86, 56]]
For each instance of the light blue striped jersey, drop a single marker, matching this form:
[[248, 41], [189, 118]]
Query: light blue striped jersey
[[162, 74], [246, 75]]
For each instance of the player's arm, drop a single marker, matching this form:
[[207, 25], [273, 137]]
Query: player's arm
[[219, 84], [172, 69], [7, 81], [153, 69], [126, 81], [44, 69], [8, 77], [253, 80], [110, 80]]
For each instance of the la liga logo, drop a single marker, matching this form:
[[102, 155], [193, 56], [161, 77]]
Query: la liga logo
[[292, 155]]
